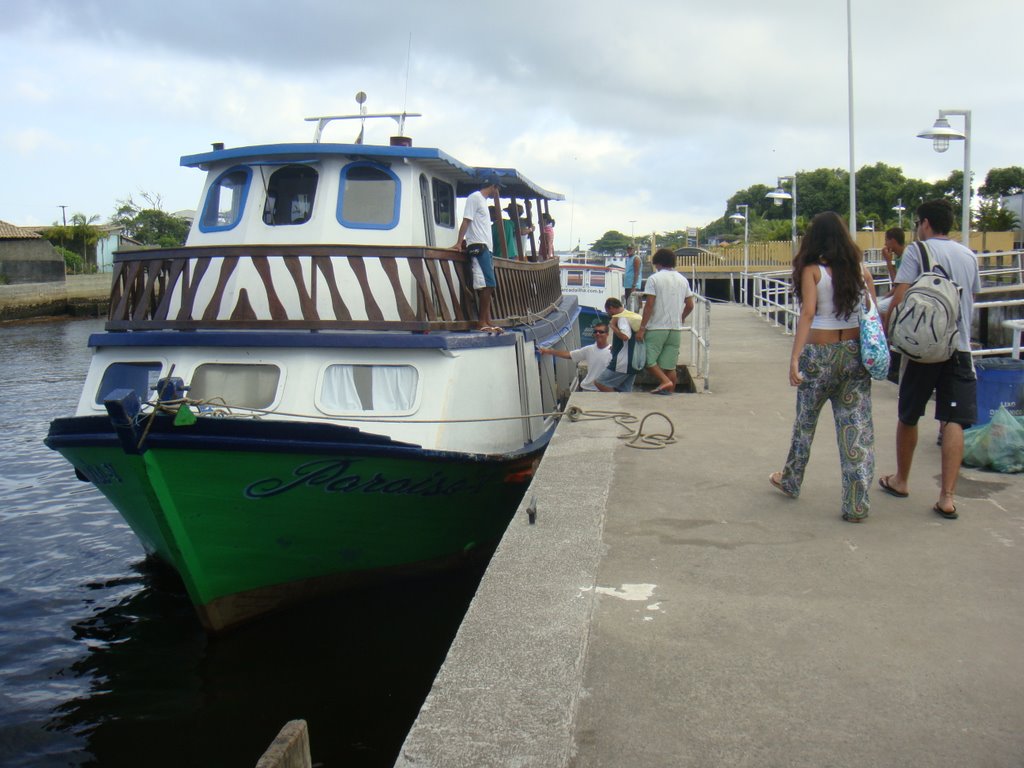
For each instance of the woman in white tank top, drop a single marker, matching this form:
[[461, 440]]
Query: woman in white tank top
[[830, 282]]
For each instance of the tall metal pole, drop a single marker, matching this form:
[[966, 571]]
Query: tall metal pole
[[794, 214], [746, 248], [849, 71]]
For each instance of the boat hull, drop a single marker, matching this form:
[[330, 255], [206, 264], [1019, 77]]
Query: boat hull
[[255, 516]]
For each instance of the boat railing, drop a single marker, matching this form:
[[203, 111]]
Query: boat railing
[[317, 287]]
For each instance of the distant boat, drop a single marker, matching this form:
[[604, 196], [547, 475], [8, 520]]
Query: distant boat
[[297, 400], [591, 284]]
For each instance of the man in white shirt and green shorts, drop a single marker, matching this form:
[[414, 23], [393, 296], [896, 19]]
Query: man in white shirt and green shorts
[[668, 302]]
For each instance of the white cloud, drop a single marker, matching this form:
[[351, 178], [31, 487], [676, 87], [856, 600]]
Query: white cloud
[[655, 112]]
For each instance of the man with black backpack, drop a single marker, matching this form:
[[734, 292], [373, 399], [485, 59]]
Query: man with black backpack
[[922, 327]]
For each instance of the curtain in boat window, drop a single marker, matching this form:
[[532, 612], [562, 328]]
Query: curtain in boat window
[[394, 387], [339, 391], [384, 388]]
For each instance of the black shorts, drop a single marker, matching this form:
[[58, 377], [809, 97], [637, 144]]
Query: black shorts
[[955, 387]]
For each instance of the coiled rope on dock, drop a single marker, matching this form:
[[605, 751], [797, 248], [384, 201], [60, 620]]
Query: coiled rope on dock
[[635, 438]]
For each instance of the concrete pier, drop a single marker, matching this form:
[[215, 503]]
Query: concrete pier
[[670, 608], [76, 295]]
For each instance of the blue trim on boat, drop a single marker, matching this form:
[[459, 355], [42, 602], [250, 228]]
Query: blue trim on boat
[[312, 150], [267, 436], [339, 211], [553, 324], [205, 213], [302, 339]]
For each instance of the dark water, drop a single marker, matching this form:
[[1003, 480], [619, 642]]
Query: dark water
[[102, 661]]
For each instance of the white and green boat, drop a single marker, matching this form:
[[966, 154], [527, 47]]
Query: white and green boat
[[296, 400]]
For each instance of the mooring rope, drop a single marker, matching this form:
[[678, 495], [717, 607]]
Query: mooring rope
[[635, 438]]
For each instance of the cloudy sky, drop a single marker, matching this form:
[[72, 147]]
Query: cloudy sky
[[647, 115]]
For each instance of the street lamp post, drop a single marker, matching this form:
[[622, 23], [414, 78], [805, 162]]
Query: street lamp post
[[632, 231], [780, 194], [869, 226], [745, 216], [899, 211], [941, 134]]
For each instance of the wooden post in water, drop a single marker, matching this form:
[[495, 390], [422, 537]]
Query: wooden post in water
[[290, 749]]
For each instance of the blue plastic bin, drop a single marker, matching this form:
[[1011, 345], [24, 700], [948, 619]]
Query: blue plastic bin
[[1000, 382]]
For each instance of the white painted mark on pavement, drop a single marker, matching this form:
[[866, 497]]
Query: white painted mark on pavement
[[628, 591]]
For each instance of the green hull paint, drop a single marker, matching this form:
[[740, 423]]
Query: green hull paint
[[233, 522]]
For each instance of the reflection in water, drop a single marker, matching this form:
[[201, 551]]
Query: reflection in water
[[356, 667], [102, 661]]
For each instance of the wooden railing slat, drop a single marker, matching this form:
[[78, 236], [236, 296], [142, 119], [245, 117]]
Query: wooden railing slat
[[190, 287], [359, 269], [226, 268], [405, 310], [326, 267]]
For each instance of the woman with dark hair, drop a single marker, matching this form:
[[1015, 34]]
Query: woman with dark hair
[[830, 283]]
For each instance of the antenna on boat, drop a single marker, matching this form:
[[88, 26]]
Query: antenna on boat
[[405, 97], [361, 101], [398, 117]]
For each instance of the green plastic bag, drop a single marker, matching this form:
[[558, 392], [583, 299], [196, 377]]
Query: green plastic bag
[[998, 445]]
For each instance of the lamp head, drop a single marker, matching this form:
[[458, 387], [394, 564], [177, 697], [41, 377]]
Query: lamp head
[[941, 134], [778, 196]]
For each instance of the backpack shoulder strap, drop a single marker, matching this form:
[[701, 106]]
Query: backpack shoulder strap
[[922, 249]]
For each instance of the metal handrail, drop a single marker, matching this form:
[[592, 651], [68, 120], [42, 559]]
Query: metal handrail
[[773, 297], [699, 330]]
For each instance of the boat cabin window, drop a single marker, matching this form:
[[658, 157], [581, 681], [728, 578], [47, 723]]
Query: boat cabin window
[[250, 385], [381, 388], [574, 277], [444, 203], [141, 377], [290, 193], [369, 197], [225, 200], [597, 279]]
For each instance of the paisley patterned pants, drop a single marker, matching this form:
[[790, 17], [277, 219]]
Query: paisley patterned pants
[[833, 372]]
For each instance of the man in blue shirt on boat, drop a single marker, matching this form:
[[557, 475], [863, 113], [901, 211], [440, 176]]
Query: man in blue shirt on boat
[[634, 270], [475, 238]]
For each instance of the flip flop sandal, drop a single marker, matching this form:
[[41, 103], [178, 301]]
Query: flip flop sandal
[[883, 483], [778, 485]]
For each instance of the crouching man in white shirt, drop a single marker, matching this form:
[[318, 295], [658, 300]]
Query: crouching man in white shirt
[[597, 356]]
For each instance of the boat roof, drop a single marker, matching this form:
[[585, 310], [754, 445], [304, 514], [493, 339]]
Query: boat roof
[[467, 178]]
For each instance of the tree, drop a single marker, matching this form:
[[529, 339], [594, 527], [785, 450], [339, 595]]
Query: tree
[[879, 188], [992, 217], [79, 235], [611, 241], [150, 225], [825, 189], [1003, 182]]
